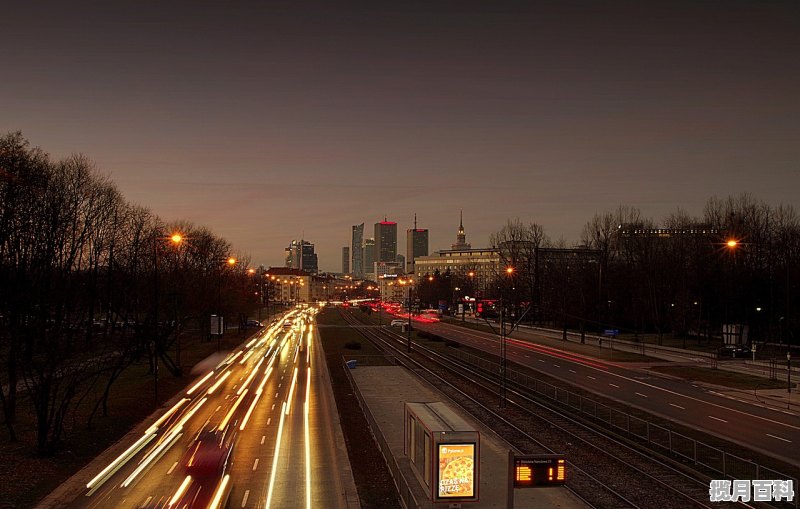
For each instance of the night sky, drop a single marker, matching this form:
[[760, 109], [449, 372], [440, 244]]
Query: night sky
[[267, 120]]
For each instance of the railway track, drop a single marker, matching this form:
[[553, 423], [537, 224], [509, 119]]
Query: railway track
[[605, 472]]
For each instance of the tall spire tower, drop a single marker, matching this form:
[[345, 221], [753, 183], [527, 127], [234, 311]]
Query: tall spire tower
[[461, 237]]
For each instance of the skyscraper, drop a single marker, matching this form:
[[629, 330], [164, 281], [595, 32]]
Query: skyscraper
[[346, 260], [300, 255], [369, 258], [461, 237], [416, 245], [357, 250], [386, 241]]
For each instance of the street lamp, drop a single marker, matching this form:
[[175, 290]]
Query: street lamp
[[176, 239], [231, 261], [503, 348], [789, 372]]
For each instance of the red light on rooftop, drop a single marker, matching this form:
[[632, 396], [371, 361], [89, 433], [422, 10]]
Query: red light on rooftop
[[388, 222]]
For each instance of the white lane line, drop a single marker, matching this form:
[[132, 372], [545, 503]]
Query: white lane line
[[614, 385], [276, 394], [590, 376], [255, 465], [541, 360], [279, 385], [244, 500], [556, 365], [528, 356], [640, 394], [717, 419], [217, 410], [263, 437], [779, 438], [677, 406], [171, 469], [572, 371], [269, 419], [273, 406], [147, 501]]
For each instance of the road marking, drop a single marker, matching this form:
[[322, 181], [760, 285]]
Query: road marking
[[528, 356], [279, 385], [276, 394], [779, 438], [171, 469], [640, 394], [541, 360], [147, 501], [572, 371], [677, 406], [717, 418], [556, 365], [590, 376], [263, 437], [244, 500], [217, 410], [273, 406], [255, 465], [614, 385], [269, 419]]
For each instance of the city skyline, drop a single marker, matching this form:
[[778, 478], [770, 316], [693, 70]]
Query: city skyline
[[259, 121]]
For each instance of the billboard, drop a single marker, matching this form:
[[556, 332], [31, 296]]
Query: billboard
[[456, 471]]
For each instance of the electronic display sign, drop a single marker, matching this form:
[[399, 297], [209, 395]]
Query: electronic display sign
[[539, 470], [456, 471]]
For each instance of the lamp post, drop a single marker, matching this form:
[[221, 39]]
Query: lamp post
[[176, 239], [503, 347], [231, 261], [410, 283]]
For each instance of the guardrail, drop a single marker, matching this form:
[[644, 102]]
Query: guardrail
[[662, 439], [404, 491]]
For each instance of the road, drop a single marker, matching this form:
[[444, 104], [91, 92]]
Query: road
[[771, 431], [262, 408]]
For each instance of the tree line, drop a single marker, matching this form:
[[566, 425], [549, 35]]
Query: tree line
[[688, 276], [91, 284]]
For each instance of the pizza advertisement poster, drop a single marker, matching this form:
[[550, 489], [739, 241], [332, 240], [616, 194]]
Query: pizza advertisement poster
[[456, 470]]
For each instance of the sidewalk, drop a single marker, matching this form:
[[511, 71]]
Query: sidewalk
[[382, 391]]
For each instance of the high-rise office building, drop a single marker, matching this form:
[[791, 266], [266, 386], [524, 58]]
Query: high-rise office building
[[300, 255], [369, 258], [416, 245], [346, 260], [386, 241], [357, 250]]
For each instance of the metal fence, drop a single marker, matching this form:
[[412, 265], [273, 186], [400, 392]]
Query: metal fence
[[404, 491], [659, 438]]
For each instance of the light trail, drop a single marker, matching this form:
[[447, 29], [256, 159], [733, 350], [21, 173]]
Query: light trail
[[118, 462], [291, 391], [189, 415], [198, 384], [307, 441], [181, 489], [160, 421], [275, 458], [219, 382], [227, 418], [250, 378], [215, 502], [246, 356], [171, 438], [250, 410], [267, 372]]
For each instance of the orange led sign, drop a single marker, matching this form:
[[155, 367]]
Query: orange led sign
[[539, 470]]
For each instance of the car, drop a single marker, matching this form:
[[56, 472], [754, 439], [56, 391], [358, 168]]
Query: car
[[734, 351], [254, 324], [399, 323]]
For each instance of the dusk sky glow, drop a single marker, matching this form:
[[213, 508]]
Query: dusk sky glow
[[265, 121]]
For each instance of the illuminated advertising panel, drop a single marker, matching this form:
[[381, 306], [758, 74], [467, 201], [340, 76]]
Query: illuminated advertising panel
[[456, 471]]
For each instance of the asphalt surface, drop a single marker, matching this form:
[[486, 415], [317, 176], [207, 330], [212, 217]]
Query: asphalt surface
[[771, 431], [265, 405]]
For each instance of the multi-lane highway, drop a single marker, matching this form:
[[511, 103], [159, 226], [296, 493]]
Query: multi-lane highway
[[772, 431], [256, 431]]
